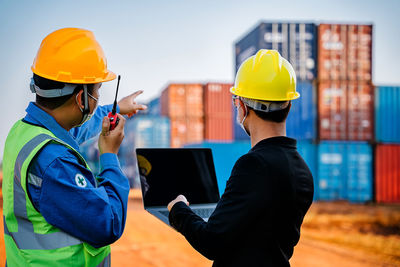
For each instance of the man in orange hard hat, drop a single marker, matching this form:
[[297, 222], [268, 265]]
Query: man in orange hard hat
[[57, 212], [257, 220]]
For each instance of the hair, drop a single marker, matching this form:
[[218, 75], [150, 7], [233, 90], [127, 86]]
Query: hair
[[273, 116], [55, 102]]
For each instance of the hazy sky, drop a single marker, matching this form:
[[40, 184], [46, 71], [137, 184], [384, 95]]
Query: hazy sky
[[151, 43]]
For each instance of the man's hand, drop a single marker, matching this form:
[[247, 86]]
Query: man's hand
[[176, 200], [110, 141], [128, 106]]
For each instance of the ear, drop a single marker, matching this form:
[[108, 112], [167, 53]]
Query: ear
[[79, 98]]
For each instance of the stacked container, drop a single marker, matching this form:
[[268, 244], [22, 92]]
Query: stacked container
[[218, 112], [345, 171], [183, 104], [387, 156], [297, 42], [345, 102]]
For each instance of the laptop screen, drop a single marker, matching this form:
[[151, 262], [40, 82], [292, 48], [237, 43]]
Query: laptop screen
[[166, 173]]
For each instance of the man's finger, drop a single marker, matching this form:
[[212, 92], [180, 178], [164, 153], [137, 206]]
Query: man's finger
[[105, 129], [139, 107], [136, 94]]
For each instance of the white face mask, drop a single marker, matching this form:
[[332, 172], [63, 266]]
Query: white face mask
[[241, 123], [86, 117]]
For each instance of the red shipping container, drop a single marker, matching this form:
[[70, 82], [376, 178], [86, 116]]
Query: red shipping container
[[387, 174], [344, 52], [345, 110], [178, 132], [218, 112]]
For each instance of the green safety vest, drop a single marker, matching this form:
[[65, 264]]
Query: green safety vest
[[29, 239]]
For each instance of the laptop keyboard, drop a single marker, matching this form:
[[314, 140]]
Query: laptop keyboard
[[202, 212]]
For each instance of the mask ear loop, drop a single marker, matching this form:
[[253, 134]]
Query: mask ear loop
[[86, 109], [244, 118]]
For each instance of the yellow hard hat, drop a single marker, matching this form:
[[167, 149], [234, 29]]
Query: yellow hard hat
[[72, 55], [266, 76]]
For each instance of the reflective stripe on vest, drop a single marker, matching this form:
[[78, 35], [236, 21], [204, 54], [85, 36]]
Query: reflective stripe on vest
[[26, 238]]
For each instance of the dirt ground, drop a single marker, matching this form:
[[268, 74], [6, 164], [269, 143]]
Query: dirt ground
[[333, 234]]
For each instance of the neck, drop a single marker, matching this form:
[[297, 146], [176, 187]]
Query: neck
[[261, 130], [62, 115]]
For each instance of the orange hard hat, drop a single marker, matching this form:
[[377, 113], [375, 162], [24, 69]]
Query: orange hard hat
[[72, 55]]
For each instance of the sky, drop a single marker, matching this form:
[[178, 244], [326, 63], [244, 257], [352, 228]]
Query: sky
[[151, 43]]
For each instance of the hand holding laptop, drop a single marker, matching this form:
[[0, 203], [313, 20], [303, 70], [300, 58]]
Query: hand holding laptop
[[177, 199]]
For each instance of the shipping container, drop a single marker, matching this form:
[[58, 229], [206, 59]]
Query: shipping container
[[301, 121], [345, 171], [180, 100], [153, 107], [344, 52], [146, 131], [387, 114], [218, 112], [387, 173], [225, 156], [345, 110], [297, 42], [309, 152]]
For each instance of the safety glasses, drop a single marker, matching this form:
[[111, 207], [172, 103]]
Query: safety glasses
[[236, 100]]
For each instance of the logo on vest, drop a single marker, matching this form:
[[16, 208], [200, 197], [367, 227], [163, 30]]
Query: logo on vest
[[80, 180]]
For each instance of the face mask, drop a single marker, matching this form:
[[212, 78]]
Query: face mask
[[85, 111], [241, 123]]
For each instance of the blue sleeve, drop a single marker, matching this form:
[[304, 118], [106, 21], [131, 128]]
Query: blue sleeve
[[68, 198], [92, 127]]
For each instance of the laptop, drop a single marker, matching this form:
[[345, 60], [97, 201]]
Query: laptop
[[166, 173]]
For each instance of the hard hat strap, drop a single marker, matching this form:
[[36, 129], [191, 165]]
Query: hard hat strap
[[265, 106], [68, 89]]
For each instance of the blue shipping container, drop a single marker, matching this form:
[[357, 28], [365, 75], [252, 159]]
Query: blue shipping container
[[344, 171], [297, 42], [387, 114], [225, 155], [309, 152], [154, 107], [301, 121], [146, 131]]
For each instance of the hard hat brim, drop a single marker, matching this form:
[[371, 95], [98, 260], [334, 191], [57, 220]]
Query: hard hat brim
[[234, 91], [110, 76]]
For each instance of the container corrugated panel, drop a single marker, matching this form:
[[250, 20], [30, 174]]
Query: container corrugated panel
[[225, 156], [297, 42], [387, 173], [309, 151], [218, 112], [301, 121], [194, 130], [173, 101], [194, 100], [387, 114], [344, 52], [345, 110], [178, 132], [345, 171]]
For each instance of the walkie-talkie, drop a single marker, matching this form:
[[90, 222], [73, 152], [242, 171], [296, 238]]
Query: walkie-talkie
[[113, 114]]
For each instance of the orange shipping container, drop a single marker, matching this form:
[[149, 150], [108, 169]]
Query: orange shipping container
[[345, 110], [181, 100], [187, 130], [344, 52], [387, 174], [218, 112]]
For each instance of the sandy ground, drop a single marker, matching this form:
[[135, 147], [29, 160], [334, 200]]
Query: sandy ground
[[149, 242]]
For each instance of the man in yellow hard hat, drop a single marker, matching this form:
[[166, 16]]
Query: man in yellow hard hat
[[57, 212], [257, 220]]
